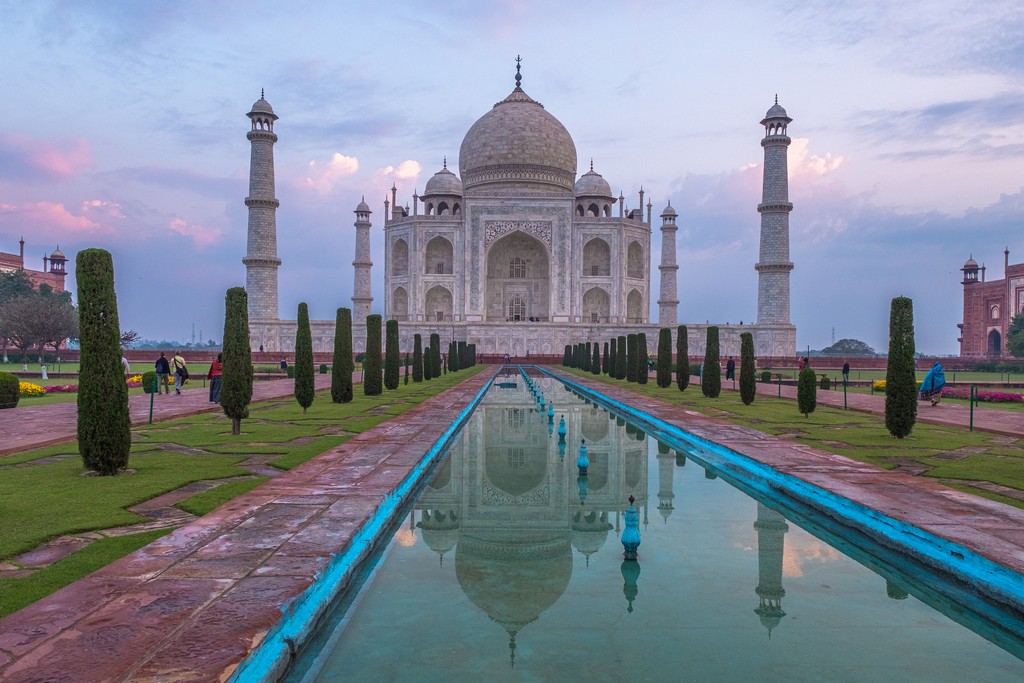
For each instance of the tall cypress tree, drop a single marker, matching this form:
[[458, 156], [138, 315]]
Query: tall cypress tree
[[613, 357], [463, 358], [806, 391], [428, 362], [595, 362], [304, 387], [588, 354], [605, 364], [711, 379], [436, 366], [664, 357], [620, 359], [453, 357], [682, 359], [748, 379], [342, 364], [900, 380], [236, 374], [417, 358], [632, 351], [392, 358], [567, 357], [104, 422], [407, 363], [372, 363], [642, 358]]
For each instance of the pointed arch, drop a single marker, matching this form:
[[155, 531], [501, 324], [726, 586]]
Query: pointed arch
[[439, 256], [635, 260], [400, 304], [596, 305], [635, 307], [400, 258], [437, 304], [597, 258]]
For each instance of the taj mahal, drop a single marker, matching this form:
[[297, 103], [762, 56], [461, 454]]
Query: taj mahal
[[517, 254]]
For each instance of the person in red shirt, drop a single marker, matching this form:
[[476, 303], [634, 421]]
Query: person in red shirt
[[214, 376]]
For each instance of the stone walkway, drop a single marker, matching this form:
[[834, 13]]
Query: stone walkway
[[195, 603]]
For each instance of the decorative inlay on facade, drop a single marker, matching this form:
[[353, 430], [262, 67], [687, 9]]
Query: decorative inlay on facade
[[495, 496], [447, 234], [539, 229]]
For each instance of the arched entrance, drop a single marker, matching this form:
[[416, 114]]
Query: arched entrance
[[438, 304], [596, 306], [995, 343], [517, 285]]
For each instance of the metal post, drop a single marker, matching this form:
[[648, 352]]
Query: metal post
[[844, 393], [780, 385], [151, 395], [974, 390]]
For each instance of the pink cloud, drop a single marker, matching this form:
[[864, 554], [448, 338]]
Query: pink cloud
[[48, 219], [201, 235], [323, 177], [24, 156]]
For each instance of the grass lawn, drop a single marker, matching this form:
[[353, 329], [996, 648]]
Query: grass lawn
[[45, 496], [957, 456]]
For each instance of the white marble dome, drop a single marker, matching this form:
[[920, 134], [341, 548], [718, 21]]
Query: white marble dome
[[518, 143], [592, 184], [444, 182]]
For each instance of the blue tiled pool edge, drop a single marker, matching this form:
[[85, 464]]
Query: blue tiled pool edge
[[271, 658], [987, 577]]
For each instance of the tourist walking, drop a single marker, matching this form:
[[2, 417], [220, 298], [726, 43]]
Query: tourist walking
[[124, 365], [931, 387], [214, 376], [730, 369], [846, 371], [180, 371], [163, 371]]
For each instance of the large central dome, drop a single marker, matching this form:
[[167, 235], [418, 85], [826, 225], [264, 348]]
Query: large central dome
[[518, 143]]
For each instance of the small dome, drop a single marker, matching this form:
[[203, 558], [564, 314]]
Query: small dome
[[57, 255], [261, 106], [443, 182], [970, 264], [669, 211], [775, 112], [592, 184], [363, 207]]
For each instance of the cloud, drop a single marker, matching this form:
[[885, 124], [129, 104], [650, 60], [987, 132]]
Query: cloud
[[324, 177], [48, 219], [802, 162], [202, 236], [26, 158], [100, 208]]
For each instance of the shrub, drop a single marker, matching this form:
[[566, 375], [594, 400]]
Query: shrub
[[463, 355], [10, 390], [392, 360], [324, 369], [567, 358], [825, 383], [595, 362], [435, 348], [104, 422], [900, 380], [621, 360], [664, 366], [606, 360], [632, 353], [454, 363], [711, 381], [766, 376], [807, 391], [148, 381], [643, 359], [304, 382], [682, 359], [748, 381], [372, 367], [341, 371], [236, 374], [417, 358]]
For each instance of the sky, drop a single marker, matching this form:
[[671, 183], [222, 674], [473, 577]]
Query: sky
[[125, 129]]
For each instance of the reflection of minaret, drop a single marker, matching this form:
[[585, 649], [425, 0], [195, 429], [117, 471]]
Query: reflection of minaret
[[771, 530], [668, 299], [361, 298], [261, 261], [773, 265], [665, 494]]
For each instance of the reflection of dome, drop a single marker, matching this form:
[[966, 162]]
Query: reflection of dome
[[443, 182], [513, 471], [589, 531], [592, 184], [440, 530], [514, 579], [518, 142], [443, 476]]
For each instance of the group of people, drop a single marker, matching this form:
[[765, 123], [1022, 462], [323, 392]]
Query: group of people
[[178, 368]]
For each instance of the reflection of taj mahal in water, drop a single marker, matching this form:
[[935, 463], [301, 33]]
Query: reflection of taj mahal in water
[[509, 505], [517, 254]]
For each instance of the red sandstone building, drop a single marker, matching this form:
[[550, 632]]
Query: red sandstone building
[[53, 272], [989, 308]]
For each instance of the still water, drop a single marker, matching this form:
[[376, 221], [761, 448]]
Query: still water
[[509, 568]]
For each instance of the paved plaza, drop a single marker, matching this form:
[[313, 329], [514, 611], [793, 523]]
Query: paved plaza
[[193, 604]]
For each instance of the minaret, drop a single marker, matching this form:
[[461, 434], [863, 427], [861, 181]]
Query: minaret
[[773, 265], [261, 262], [361, 298], [771, 532], [668, 300], [665, 471]]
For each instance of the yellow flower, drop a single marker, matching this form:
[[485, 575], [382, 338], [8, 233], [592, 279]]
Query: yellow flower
[[879, 384], [30, 389]]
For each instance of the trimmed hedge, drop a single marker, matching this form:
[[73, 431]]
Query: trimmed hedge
[[748, 380], [711, 380], [682, 358], [236, 373], [304, 383], [392, 359], [664, 371], [621, 361], [149, 382], [372, 384], [417, 357], [807, 391], [642, 359], [900, 380], [10, 390], [341, 371], [632, 353]]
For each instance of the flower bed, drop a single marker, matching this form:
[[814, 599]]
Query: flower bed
[[879, 384], [30, 389], [986, 396]]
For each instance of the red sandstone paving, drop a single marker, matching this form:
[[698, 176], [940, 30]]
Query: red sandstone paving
[[193, 604]]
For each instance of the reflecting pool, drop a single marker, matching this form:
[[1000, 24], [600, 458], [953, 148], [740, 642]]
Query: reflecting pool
[[510, 567]]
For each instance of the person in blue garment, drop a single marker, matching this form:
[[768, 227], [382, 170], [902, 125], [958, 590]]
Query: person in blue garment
[[931, 387]]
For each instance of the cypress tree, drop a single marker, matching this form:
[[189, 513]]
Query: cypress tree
[[642, 357], [392, 359], [417, 358], [236, 375], [453, 357], [372, 363], [613, 352], [620, 359], [428, 360], [807, 391], [463, 358], [900, 380], [436, 366], [406, 363], [104, 422], [304, 387], [567, 358], [711, 379], [588, 354], [574, 358], [664, 357], [748, 379], [632, 351], [682, 359], [595, 362], [606, 360], [342, 363]]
